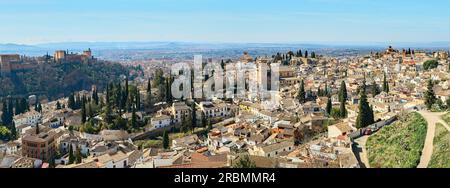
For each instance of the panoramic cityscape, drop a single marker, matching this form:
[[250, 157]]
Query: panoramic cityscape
[[226, 84]]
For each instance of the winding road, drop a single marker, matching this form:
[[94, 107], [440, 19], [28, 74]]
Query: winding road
[[432, 119]]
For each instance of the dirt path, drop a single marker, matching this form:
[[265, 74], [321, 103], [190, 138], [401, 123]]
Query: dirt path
[[361, 152], [432, 119]]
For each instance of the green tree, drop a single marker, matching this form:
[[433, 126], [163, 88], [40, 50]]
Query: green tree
[[134, 123], [71, 155], [204, 120], [149, 101], [37, 129], [342, 110], [166, 140], [108, 115], [168, 89], [329, 106], [7, 115], [430, 64], [385, 84], [13, 131], [83, 112], [126, 88], [365, 115], [137, 99], [319, 92], [95, 96], [78, 156], [430, 97], [71, 101], [301, 93], [343, 96], [194, 117], [335, 113], [58, 105], [343, 99], [244, 162], [24, 104], [5, 133], [375, 90]]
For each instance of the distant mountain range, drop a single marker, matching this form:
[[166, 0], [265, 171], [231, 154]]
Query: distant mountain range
[[40, 49]]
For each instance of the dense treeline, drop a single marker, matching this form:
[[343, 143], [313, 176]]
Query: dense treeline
[[58, 80]]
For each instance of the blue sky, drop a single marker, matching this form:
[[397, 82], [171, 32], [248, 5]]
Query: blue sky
[[333, 21]]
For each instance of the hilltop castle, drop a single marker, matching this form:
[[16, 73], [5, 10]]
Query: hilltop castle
[[14, 62]]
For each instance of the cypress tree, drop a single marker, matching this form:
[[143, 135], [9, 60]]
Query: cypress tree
[[90, 111], [17, 107], [302, 93], [375, 90], [78, 102], [343, 110], [24, 104], [10, 109], [126, 87], [329, 106], [108, 117], [343, 92], [133, 118], [343, 99], [149, 85], [365, 115], [204, 121], [166, 140], [6, 115], [71, 156], [138, 99], [107, 97], [168, 91], [95, 96], [385, 84], [13, 131], [58, 105], [194, 117], [430, 97], [78, 156], [37, 129], [83, 112], [149, 95]]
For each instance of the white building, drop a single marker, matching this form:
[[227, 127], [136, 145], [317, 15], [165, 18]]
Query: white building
[[28, 118], [273, 150], [160, 121]]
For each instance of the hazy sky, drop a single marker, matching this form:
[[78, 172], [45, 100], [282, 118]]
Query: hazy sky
[[40, 21]]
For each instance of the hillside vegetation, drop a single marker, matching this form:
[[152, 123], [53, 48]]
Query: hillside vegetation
[[441, 148], [57, 80], [446, 118], [398, 145]]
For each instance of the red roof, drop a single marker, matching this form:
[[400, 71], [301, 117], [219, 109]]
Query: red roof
[[45, 165]]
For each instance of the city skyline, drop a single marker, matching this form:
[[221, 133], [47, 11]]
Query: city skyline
[[286, 21]]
